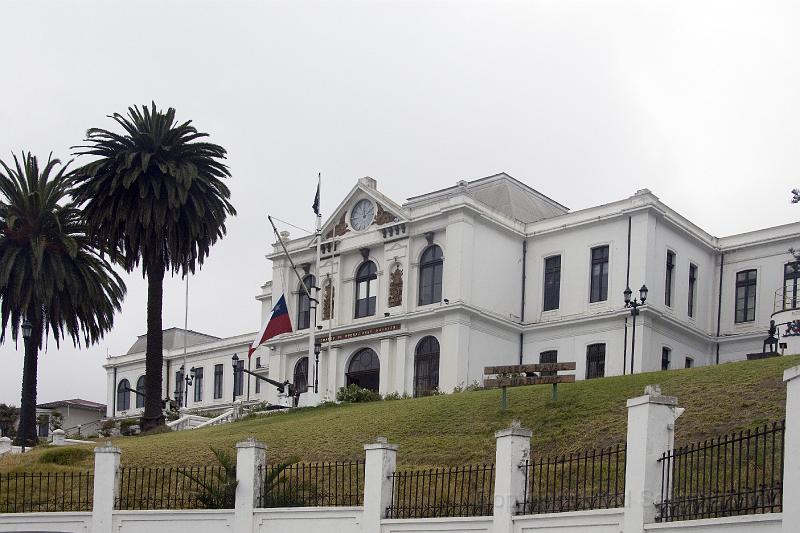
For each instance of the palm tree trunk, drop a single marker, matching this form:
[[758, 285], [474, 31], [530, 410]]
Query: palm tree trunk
[[153, 415], [28, 434]]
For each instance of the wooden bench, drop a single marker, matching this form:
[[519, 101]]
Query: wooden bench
[[519, 375]]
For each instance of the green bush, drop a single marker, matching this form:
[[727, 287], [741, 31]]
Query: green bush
[[355, 394], [66, 456], [396, 396], [129, 427]]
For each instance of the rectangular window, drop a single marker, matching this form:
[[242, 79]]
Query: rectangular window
[[550, 356], [668, 280], [598, 291], [689, 363], [745, 296], [791, 274], [198, 384], [258, 385], [258, 362], [595, 361], [238, 379], [179, 387], [692, 288], [217, 382], [665, 358], [552, 282]]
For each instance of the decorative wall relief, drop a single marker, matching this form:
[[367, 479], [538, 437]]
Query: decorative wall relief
[[339, 229], [327, 300], [396, 286], [384, 217]]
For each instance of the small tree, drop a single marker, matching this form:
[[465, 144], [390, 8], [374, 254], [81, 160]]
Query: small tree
[[8, 420]]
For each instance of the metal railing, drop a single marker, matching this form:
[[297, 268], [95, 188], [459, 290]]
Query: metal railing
[[148, 488], [325, 484], [575, 482], [732, 475], [33, 492], [443, 492]]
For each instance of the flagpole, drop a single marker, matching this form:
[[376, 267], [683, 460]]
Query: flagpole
[[315, 301]]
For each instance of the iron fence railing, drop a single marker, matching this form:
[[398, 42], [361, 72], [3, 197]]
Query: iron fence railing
[[736, 474], [149, 488], [786, 298], [32, 492], [578, 481], [443, 492], [338, 483]]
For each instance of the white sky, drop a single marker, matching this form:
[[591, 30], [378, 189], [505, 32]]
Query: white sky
[[586, 101]]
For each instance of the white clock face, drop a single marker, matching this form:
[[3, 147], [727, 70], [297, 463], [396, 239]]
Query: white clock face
[[362, 215]]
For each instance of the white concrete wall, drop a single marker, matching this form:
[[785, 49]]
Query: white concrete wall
[[195, 521], [599, 521], [308, 520], [60, 522], [432, 525], [769, 523]]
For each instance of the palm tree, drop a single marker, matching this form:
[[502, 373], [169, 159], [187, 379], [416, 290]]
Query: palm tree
[[51, 278], [155, 195]]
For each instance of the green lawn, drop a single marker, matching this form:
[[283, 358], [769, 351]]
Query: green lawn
[[458, 428]]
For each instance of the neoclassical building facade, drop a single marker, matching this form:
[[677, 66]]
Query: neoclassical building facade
[[421, 296]]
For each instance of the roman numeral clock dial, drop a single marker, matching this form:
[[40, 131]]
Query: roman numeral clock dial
[[362, 215]]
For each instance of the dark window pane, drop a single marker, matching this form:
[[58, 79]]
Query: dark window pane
[[665, 358], [552, 282], [364, 370], [366, 289], [304, 304], [218, 370], [426, 366], [140, 388], [598, 291], [668, 281], [745, 296], [549, 356], [692, 287], [198, 384], [301, 375], [123, 395], [430, 275], [595, 361]]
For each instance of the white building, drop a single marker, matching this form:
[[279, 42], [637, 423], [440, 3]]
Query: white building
[[489, 272]]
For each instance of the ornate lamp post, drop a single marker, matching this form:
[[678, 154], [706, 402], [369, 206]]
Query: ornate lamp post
[[189, 380], [235, 363], [317, 349], [634, 305], [27, 332]]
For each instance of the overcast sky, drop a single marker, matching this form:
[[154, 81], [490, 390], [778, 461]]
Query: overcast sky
[[586, 101]]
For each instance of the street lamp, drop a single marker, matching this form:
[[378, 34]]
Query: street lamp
[[235, 363], [317, 349], [27, 332], [634, 305], [189, 380]]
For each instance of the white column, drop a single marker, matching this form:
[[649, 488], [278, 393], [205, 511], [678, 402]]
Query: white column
[[651, 432], [58, 437], [333, 373], [400, 359], [791, 465], [380, 463], [454, 356], [106, 487], [385, 357], [251, 456], [513, 449], [5, 445]]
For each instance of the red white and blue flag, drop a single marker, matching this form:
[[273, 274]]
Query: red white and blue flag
[[278, 323]]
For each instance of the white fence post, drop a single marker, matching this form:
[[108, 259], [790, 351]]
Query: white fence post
[[106, 487], [251, 457], [379, 465], [58, 437], [791, 460], [5, 445], [651, 432], [513, 449]]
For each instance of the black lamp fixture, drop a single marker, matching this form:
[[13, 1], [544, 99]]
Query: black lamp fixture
[[27, 329], [634, 305], [235, 361], [317, 349]]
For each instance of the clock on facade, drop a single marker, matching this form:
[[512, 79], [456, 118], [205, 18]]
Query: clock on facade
[[362, 215]]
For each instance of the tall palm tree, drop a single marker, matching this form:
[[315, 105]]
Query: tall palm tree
[[51, 278], [154, 194]]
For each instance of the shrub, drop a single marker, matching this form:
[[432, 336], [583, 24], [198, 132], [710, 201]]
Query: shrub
[[129, 427], [107, 428], [65, 456], [355, 394], [396, 396]]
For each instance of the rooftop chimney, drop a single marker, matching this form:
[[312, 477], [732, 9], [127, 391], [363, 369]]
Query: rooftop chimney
[[368, 182]]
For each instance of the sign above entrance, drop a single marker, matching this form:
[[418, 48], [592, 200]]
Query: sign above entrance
[[359, 333]]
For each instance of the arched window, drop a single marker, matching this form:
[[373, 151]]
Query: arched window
[[430, 275], [301, 375], [364, 370], [366, 289], [140, 390], [304, 304], [426, 366], [123, 395]]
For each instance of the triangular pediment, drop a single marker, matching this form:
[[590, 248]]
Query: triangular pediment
[[386, 210]]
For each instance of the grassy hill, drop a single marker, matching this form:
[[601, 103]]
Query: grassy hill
[[459, 428]]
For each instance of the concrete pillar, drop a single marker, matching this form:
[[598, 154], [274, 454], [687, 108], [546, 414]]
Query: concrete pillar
[[58, 437], [791, 466], [333, 373], [385, 356], [380, 463], [454, 355], [106, 487], [513, 449], [251, 457], [651, 432], [5, 445], [400, 364]]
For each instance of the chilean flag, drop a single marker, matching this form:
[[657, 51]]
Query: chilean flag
[[278, 323]]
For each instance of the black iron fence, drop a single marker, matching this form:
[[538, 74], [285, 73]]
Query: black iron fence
[[204, 487], [31, 492], [312, 484], [736, 474], [443, 492], [575, 482]]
